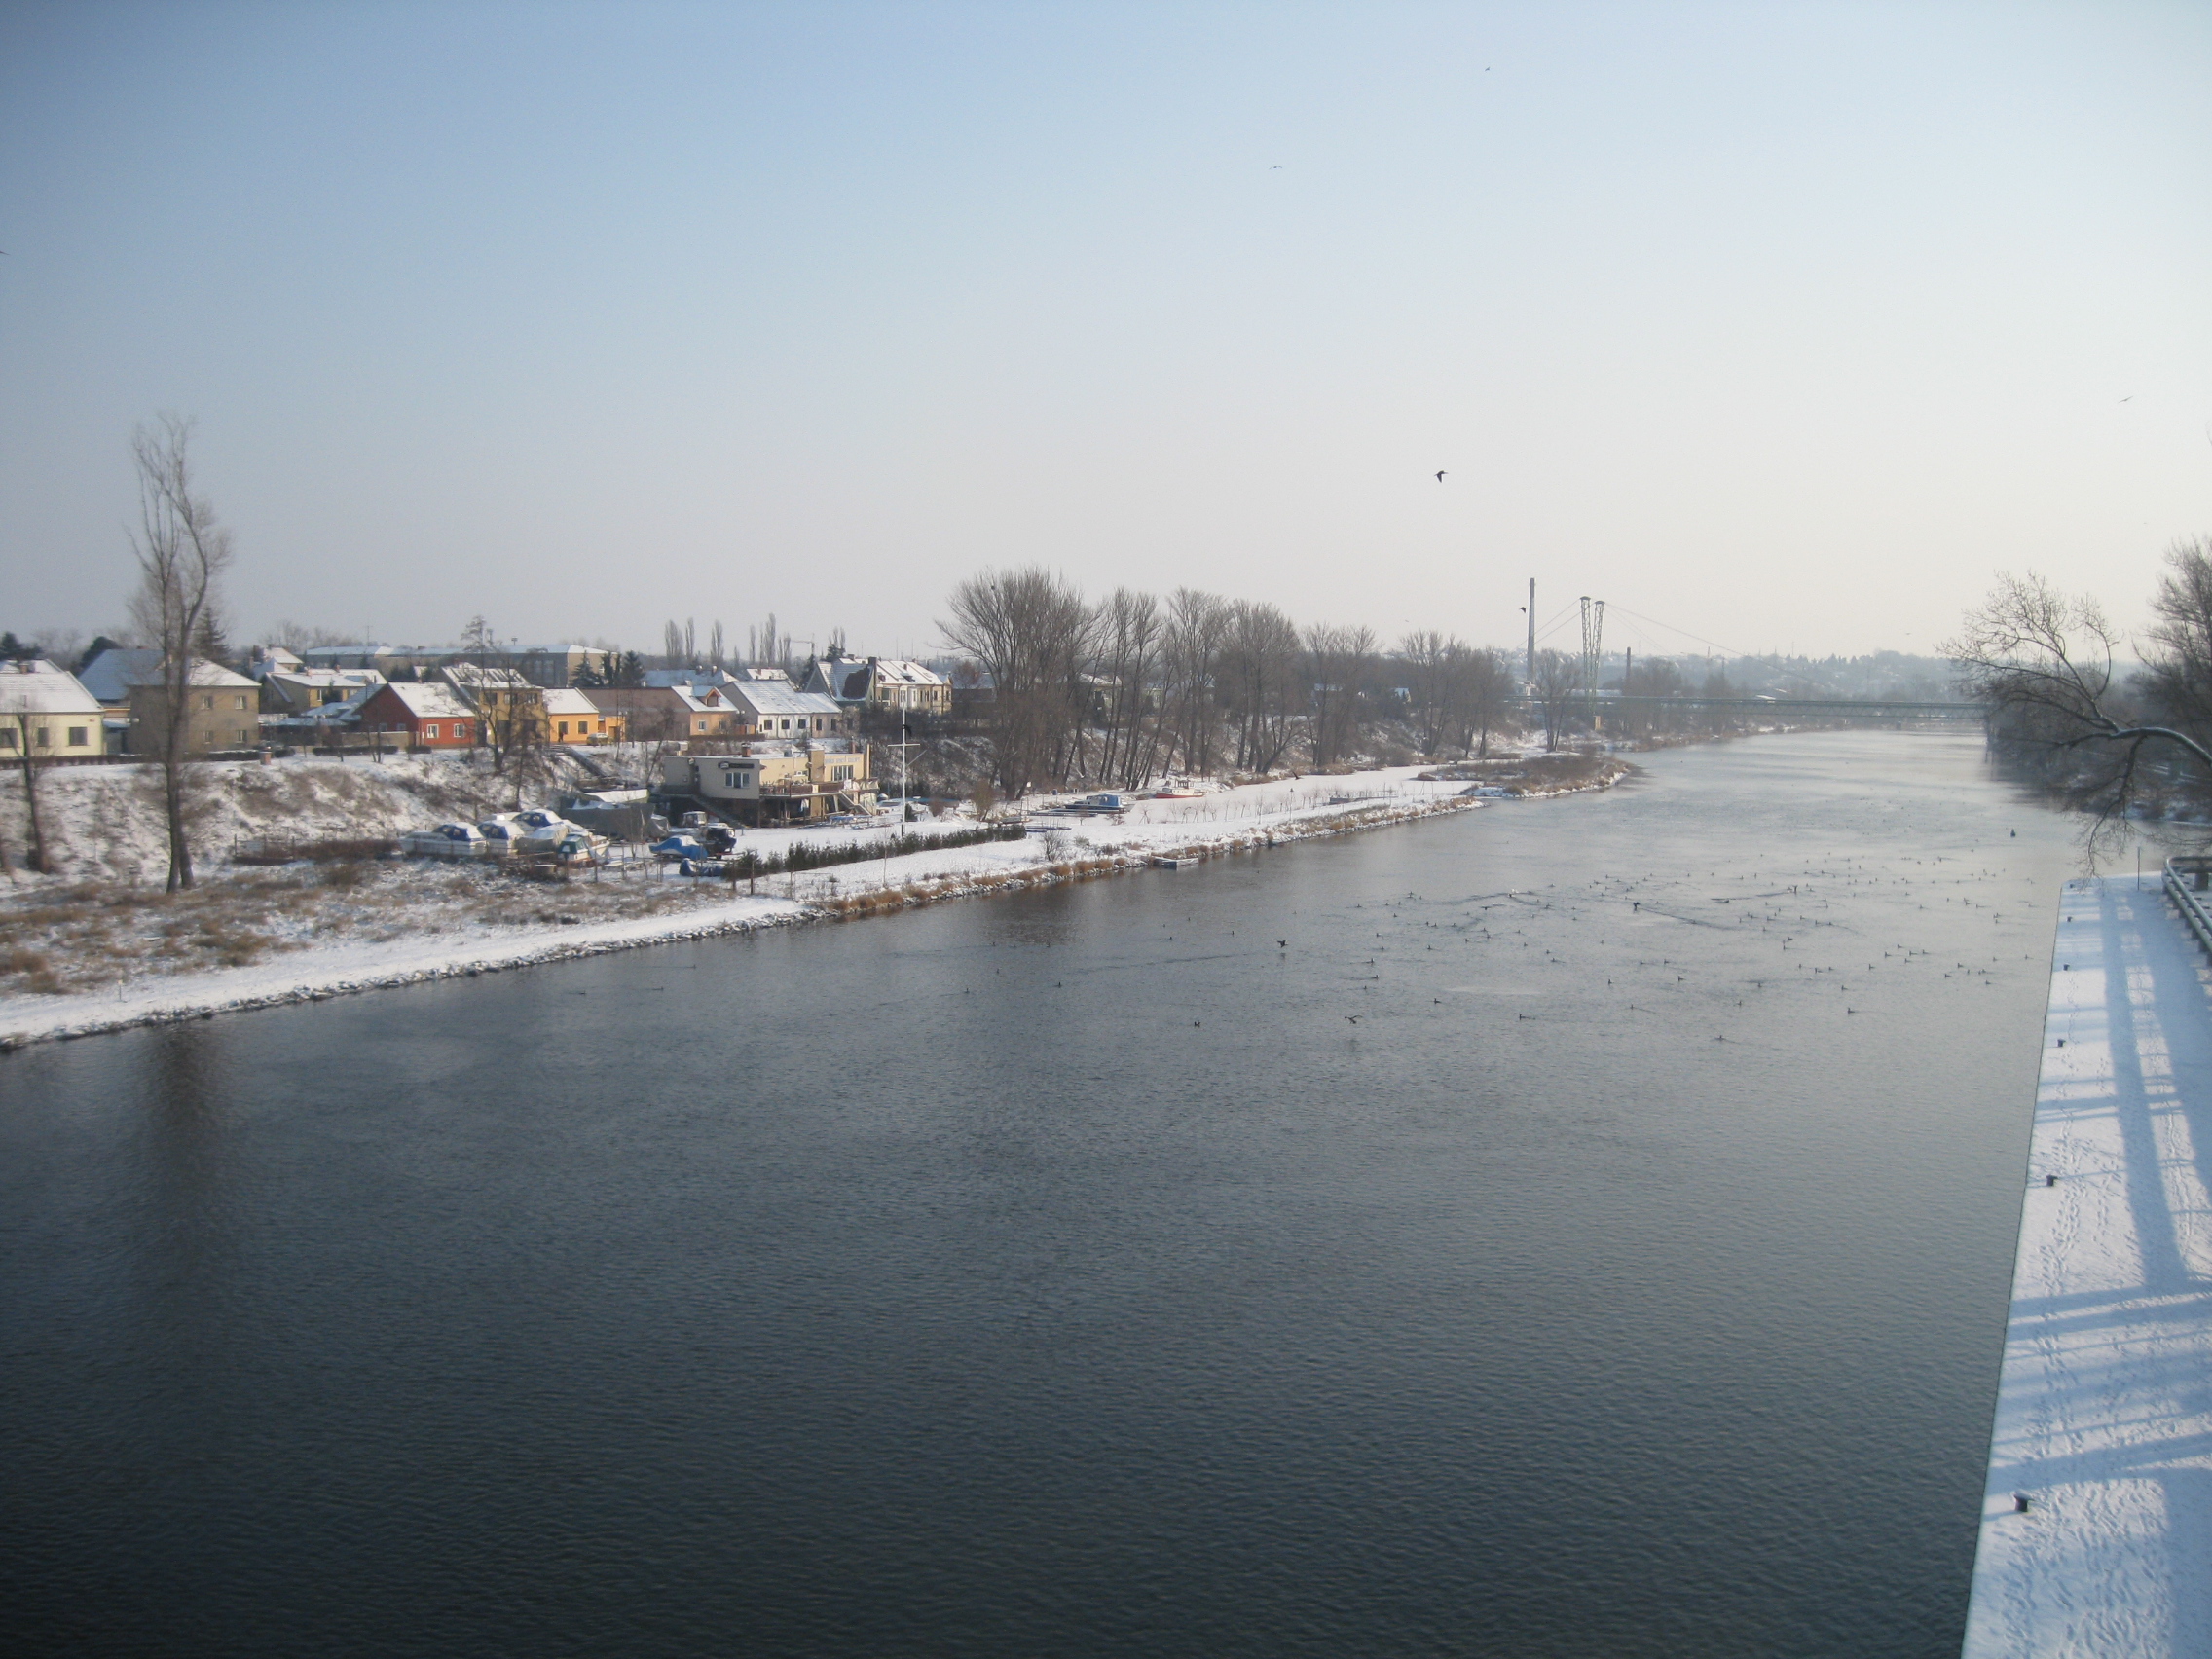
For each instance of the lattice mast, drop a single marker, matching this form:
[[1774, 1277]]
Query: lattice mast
[[1593, 651]]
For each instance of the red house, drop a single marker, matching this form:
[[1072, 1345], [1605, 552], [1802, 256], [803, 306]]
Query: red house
[[428, 711]]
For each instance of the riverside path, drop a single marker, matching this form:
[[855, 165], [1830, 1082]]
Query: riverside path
[[2096, 1523]]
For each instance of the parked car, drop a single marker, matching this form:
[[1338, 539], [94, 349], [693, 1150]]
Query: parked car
[[446, 841]]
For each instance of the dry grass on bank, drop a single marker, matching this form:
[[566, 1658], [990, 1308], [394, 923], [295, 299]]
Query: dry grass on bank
[[60, 938]]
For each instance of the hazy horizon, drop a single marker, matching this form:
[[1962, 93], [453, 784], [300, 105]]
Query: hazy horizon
[[1779, 329]]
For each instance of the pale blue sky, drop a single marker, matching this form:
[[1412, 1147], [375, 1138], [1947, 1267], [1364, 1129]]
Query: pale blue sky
[[1783, 324]]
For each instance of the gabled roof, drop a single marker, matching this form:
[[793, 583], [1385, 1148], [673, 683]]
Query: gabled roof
[[325, 678], [571, 703], [899, 672], [475, 677], [763, 697], [41, 688], [428, 699], [112, 675]]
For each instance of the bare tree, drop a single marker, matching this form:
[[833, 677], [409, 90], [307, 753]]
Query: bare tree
[[1480, 688], [1031, 630], [1263, 688], [1338, 661], [510, 711], [1198, 626], [2177, 678], [2043, 661], [35, 855], [1430, 660], [1126, 645], [182, 552], [1559, 683]]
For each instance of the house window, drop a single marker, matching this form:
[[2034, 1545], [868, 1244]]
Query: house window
[[431, 731], [77, 737], [461, 731], [8, 737], [563, 729], [238, 702], [207, 702], [41, 737], [702, 726]]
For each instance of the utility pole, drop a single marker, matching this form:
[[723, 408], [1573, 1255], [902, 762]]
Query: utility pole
[[1628, 682]]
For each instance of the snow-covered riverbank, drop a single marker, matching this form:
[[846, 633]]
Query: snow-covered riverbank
[[454, 938], [2100, 1505]]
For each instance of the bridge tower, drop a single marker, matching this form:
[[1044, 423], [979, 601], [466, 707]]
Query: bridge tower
[[1593, 652]]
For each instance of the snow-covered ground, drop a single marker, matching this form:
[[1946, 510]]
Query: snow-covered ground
[[2104, 1414], [297, 935]]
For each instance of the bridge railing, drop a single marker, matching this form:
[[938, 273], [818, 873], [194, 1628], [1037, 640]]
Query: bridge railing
[[2188, 876]]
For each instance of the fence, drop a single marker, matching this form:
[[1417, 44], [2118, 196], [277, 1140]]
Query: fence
[[2187, 875]]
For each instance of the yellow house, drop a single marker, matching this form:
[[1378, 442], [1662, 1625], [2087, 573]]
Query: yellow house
[[45, 714], [222, 711], [572, 717]]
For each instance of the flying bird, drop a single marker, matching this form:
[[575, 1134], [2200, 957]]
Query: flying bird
[[1440, 477]]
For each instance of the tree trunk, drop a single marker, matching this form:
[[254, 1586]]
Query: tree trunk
[[35, 858], [179, 721]]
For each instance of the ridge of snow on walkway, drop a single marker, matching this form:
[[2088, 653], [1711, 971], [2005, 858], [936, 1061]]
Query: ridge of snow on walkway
[[2104, 1412]]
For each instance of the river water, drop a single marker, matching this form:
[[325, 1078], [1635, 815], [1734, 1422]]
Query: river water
[[1578, 1226]]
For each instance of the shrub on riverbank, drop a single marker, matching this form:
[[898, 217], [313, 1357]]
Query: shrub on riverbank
[[818, 855]]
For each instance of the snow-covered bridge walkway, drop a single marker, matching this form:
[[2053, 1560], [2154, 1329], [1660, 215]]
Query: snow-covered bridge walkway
[[2104, 1414]]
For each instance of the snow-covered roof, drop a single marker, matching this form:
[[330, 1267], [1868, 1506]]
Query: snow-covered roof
[[113, 674], [38, 688], [472, 676], [570, 703], [429, 699], [326, 678], [767, 697], [684, 679], [902, 673]]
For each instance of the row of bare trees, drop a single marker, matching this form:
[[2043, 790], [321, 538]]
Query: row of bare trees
[[1133, 686]]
